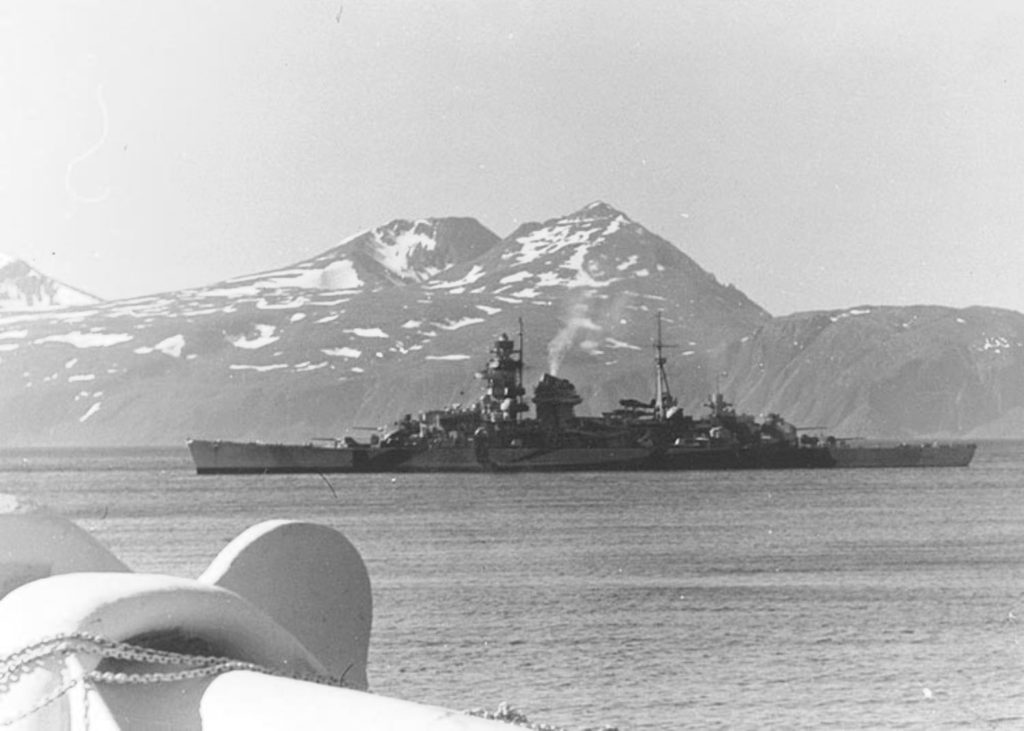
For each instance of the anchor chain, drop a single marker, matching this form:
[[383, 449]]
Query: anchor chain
[[58, 647]]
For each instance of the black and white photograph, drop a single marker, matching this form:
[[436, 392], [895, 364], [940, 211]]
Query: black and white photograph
[[568, 365]]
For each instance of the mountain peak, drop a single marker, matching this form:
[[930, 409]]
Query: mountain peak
[[593, 222], [597, 211], [24, 288], [419, 250]]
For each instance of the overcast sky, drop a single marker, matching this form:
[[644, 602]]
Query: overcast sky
[[815, 154]]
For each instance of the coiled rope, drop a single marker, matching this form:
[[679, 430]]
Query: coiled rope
[[185, 667]]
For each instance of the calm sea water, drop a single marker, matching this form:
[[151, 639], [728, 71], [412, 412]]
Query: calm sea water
[[851, 599]]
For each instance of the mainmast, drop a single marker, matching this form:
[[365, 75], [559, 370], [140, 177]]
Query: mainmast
[[662, 394], [520, 389]]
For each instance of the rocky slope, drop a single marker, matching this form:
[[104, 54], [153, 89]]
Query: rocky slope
[[400, 318], [890, 371]]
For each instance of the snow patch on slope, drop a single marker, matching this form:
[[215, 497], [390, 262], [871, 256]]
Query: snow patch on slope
[[337, 275], [264, 336], [342, 352], [517, 277], [397, 253], [368, 332], [259, 368], [81, 339], [457, 324], [458, 356], [474, 274], [92, 410], [171, 346], [547, 241]]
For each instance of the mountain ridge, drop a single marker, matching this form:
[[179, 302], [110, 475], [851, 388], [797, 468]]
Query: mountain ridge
[[399, 318]]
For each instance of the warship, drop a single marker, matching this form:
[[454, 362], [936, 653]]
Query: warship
[[496, 434]]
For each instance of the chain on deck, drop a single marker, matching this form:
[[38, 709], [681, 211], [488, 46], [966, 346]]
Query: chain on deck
[[59, 647]]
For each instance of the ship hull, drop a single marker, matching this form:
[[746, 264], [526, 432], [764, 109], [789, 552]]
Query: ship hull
[[947, 454], [222, 457], [771, 457], [219, 457]]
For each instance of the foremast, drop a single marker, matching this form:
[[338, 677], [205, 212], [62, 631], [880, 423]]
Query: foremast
[[502, 401]]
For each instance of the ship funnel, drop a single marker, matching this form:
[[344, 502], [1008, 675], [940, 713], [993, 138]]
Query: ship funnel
[[555, 399]]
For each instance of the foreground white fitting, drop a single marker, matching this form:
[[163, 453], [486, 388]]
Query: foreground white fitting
[[35, 543], [312, 582], [263, 640]]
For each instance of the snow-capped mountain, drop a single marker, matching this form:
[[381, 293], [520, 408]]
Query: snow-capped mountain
[[398, 253], [400, 318], [604, 274], [25, 288]]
